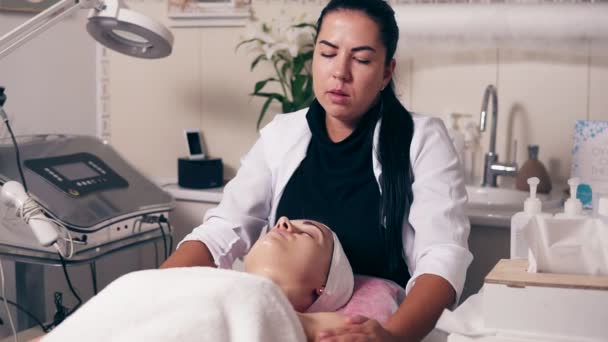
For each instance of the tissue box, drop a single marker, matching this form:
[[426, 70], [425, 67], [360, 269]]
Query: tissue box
[[567, 307], [590, 160], [567, 246]]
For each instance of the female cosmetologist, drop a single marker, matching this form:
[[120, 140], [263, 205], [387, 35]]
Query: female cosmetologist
[[386, 180]]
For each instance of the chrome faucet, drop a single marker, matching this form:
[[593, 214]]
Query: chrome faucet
[[491, 167]]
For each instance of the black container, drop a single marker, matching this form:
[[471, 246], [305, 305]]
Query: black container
[[200, 173]]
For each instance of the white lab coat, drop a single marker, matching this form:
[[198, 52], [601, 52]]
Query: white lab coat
[[434, 240]]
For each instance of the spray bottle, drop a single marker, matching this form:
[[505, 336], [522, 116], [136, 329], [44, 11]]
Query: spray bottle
[[573, 208], [532, 207]]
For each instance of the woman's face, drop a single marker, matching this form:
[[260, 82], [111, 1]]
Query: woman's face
[[348, 66], [295, 255]]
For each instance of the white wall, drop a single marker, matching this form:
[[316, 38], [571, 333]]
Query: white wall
[[50, 81], [50, 86], [205, 84]]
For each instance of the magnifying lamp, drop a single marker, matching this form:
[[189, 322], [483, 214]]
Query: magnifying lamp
[[110, 22]]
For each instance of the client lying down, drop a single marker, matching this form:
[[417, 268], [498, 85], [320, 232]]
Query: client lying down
[[296, 275]]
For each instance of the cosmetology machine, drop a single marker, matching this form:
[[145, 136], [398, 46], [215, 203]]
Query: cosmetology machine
[[84, 185]]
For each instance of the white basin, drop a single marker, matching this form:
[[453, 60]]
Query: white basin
[[495, 206]]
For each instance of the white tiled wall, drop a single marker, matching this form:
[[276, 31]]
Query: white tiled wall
[[541, 99]]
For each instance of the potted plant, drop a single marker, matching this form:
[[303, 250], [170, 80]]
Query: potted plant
[[287, 44]]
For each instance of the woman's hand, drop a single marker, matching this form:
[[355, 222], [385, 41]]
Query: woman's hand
[[358, 328], [314, 323]]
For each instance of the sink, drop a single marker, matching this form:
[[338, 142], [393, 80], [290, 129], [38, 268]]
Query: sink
[[495, 206]]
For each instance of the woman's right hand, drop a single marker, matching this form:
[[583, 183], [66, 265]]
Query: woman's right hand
[[190, 253], [313, 323]]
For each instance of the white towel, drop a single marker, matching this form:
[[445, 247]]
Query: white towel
[[466, 319], [184, 304]]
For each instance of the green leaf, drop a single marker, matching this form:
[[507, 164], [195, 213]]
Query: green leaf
[[257, 60], [285, 69], [307, 55], [259, 85], [305, 25], [263, 112], [247, 41], [298, 86], [298, 65], [275, 96], [288, 107]]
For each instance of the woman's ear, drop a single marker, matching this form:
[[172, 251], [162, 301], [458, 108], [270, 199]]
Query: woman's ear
[[388, 73]]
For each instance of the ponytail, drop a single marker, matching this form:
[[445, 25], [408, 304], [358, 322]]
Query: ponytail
[[395, 140]]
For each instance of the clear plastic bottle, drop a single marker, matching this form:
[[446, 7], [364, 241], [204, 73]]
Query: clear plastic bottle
[[532, 207]]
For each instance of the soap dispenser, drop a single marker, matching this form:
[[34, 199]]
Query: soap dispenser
[[532, 207], [573, 208]]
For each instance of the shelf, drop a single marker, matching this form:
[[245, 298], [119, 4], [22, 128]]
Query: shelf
[[197, 15]]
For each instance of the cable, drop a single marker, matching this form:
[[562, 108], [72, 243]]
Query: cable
[[60, 310], [29, 314], [163, 219], [29, 211], [8, 311], [156, 255], [162, 231], [67, 278], [93, 268], [17, 155]]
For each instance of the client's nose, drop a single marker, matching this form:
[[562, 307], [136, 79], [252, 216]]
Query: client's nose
[[284, 223]]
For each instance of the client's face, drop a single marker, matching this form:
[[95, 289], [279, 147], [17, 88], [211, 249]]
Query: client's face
[[296, 256]]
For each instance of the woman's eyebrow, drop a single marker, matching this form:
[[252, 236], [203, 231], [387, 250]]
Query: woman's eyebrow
[[355, 49], [325, 42]]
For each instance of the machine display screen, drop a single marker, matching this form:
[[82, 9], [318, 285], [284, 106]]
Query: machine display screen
[[75, 171]]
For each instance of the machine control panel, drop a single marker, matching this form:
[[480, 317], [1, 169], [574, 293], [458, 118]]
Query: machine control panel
[[77, 174]]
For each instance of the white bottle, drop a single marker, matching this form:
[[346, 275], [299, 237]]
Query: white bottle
[[471, 137], [457, 136], [532, 207], [573, 208], [602, 209]]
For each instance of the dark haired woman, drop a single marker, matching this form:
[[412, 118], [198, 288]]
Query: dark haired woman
[[388, 181]]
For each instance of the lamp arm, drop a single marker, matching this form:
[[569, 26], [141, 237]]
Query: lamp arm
[[41, 22]]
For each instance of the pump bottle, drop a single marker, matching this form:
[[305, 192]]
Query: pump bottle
[[573, 208], [532, 207]]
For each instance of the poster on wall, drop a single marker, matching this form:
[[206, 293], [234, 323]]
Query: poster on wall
[[590, 161], [26, 5]]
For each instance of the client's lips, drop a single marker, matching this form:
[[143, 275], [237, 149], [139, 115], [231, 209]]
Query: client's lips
[[338, 96]]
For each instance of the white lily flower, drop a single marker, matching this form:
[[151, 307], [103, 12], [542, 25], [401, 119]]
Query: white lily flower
[[271, 49], [280, 39]]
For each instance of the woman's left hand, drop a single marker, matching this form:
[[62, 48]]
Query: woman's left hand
[[357, 328]]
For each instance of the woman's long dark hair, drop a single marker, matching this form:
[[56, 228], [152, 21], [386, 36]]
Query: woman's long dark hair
[[395, 133]]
